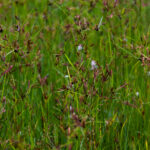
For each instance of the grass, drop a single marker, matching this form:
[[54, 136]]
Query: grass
[[50, 95]]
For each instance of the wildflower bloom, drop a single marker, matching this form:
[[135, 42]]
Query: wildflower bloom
[[137, 94], [80, 47], [66, 76], [71, 108], [93, 65]]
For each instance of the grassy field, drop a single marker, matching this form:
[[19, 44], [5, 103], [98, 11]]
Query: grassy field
[[74, 74]]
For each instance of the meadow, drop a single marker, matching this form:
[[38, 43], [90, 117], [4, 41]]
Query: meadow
[[74, 75]]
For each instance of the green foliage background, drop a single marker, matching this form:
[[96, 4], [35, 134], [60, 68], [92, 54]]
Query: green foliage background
[[49, 96]]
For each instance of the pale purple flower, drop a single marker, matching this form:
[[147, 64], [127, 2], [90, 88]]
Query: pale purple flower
[[93, 65], [80, 47], [71, 108]]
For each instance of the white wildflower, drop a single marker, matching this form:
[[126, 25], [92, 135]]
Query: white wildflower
[[80, 47], [93, 65], [137, 94], [66, 76]]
